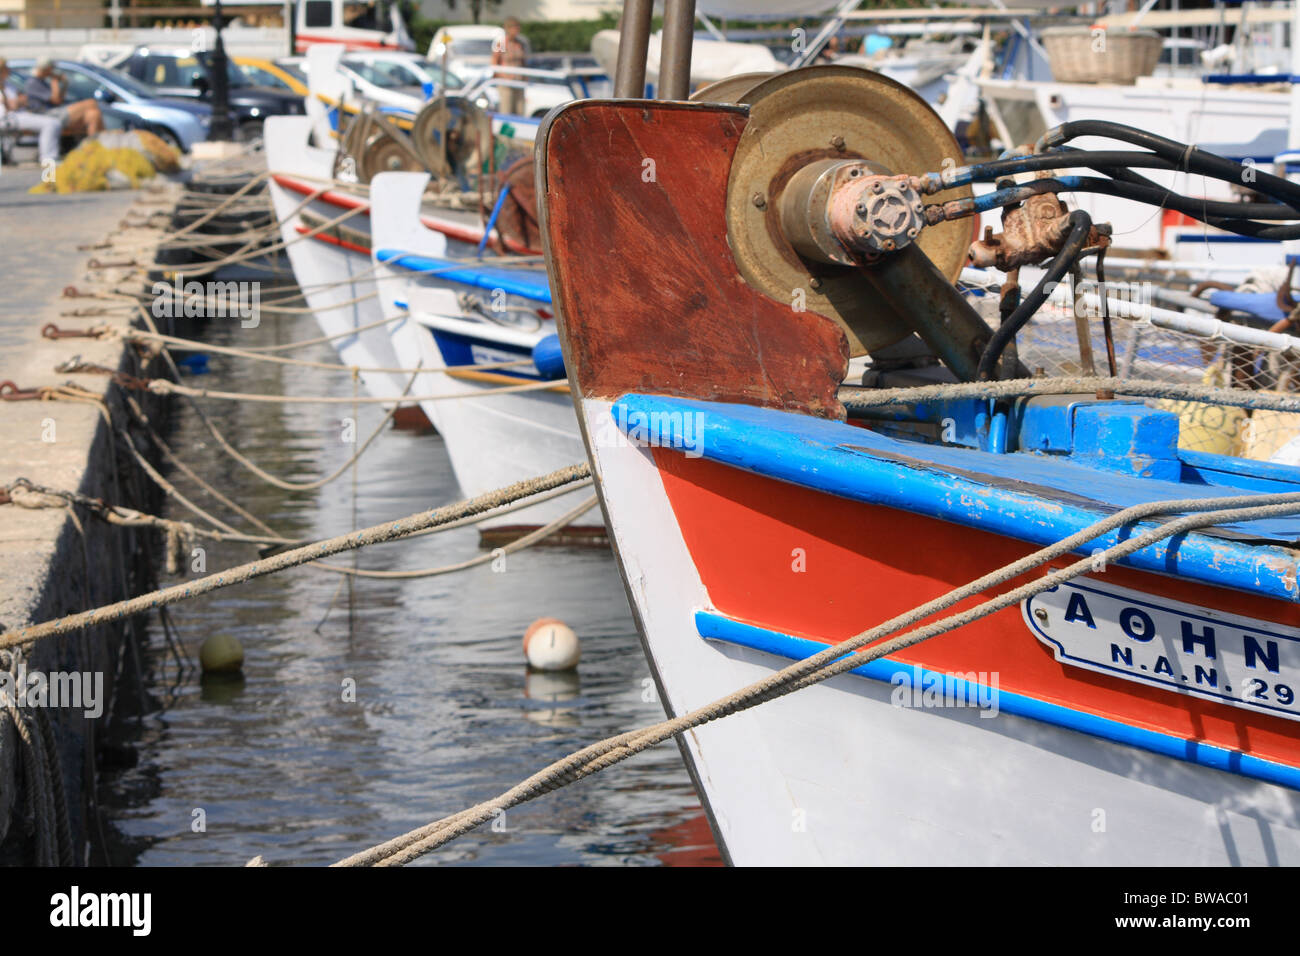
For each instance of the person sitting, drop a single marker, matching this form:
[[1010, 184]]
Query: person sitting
[[46, 93], [13, 112]]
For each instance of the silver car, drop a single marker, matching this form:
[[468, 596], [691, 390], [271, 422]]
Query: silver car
[[181, 123]]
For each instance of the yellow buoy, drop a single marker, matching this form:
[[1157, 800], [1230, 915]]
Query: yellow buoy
[[551, 645], [221, 654]]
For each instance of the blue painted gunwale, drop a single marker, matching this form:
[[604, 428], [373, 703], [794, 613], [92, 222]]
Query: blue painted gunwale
[[529, 284], [1039, 499], [712, 626]]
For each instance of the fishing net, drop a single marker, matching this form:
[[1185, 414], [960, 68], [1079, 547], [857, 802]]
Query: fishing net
[[113, 160], [1050, 346]]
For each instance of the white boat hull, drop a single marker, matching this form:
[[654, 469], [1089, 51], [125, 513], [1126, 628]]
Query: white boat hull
[[837, 774], [337, 282]]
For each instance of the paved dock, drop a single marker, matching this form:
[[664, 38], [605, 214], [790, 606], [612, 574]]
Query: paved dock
[[48, 567]]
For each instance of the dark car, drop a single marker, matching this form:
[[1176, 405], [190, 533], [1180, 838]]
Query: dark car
[[188, 74]]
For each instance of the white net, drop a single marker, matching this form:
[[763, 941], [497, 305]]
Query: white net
[[1049, 346]]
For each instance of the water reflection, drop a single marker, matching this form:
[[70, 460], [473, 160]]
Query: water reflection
[[369, 707]]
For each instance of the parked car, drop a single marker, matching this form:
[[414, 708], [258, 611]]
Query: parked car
[[390, 68], [272, 75], [133, 105], [468, 47], [188, 73], [395, 81]]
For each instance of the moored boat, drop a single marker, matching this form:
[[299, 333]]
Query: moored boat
[[486, 326], [1140, 712]]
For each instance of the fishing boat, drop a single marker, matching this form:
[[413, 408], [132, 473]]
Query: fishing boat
[[485, 326], [331, 266], [323, 208], [1139, 708], [477, 202]]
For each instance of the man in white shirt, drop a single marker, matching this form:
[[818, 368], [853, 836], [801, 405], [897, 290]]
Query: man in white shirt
[[13, 113]]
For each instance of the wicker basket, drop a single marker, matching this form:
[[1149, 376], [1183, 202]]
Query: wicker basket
[[1089, 55]]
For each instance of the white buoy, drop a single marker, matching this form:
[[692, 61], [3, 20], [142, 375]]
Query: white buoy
[[221, 654], [551, 645]]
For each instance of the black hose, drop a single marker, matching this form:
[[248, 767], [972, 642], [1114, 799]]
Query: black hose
[[1229, 224], [1184, 157], [1080, 224], [1067, 158], [1229, 216], [1154, 195], [1197, 208]]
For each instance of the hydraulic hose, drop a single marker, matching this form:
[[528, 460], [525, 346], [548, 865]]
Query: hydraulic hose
[[1183, 156], [1080, 224]]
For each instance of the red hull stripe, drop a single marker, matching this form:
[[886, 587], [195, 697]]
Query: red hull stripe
[[347, 201], [862, 564], [305, 40], [334, 241]]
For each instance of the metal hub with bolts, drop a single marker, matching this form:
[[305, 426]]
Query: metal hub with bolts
[[811, 139], [887, 215]]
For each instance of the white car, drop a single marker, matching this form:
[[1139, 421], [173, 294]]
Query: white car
[[547, 82], [397, 70], [390, 87], [468, 48]]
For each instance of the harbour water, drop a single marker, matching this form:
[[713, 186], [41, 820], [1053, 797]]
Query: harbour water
[[280, 763]]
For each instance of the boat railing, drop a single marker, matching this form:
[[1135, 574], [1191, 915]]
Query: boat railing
[[578, 79]]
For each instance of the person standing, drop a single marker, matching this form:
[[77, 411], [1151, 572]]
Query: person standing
[[13, 112], [510, 50]]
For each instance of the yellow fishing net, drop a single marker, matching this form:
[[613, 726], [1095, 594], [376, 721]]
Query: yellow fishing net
[[113, 161]]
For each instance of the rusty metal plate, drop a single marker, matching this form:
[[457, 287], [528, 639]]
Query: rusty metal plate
[[803, 116]]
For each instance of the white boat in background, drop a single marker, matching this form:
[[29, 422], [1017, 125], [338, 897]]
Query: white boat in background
[[1111, 71], [460, 314], [1243, 123], [331, 267], [711, 61]]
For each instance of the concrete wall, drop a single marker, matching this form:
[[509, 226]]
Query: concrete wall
[[69, 43], [30, 14], [49, 567]]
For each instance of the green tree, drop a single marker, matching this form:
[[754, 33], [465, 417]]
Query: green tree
[[476, 7]]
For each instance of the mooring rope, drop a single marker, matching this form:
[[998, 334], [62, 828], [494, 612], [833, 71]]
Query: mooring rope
[[75, 393], [518, 544], [838, 658], [42, 772], [861, 398], [272, 535], [376, 534], [140, 335], [162, 386]]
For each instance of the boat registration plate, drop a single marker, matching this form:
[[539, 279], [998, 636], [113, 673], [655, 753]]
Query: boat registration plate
[[1180, 647]]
